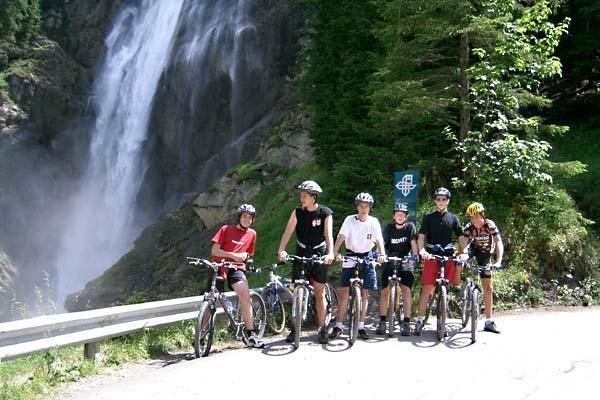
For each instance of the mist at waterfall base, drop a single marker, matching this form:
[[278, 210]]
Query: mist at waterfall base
[[181, 86]]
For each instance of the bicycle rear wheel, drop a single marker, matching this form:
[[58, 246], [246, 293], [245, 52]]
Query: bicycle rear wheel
[[331, 302], [275, 310], [466, 304], [475, 309], [442, 305], [391, 313], [297, 311], [205, 329], [355, 304]]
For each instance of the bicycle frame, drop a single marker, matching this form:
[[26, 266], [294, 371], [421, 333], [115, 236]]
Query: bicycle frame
[[394, 298]]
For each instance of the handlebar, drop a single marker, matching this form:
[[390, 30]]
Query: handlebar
[[488, 267], [406, 263], [247, 266], [364, 259], [313, 259]]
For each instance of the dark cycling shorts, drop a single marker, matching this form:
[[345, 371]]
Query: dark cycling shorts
[[482, 259], [313, 272], [232, 275], [407, 278]]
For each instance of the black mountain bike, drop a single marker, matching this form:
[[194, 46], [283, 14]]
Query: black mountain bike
[[395, 294], [438, 302], [355, 294], [303, 296], [205, 323], [472, 294]]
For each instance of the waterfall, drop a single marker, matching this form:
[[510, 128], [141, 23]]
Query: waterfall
[[186, 47], [101, 225]]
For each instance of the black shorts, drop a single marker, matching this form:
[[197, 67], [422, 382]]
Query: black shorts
[[316, 271], [232, 275], [482, 259], [407, 278]]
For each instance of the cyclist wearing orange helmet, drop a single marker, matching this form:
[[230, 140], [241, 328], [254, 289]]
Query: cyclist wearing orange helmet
[[485, 240]]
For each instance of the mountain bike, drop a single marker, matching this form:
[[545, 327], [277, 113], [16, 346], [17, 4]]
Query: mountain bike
[[302, 296], [438, 302], [472, 293], [355, 293], [273, 303], [205, 323], [395, 294]]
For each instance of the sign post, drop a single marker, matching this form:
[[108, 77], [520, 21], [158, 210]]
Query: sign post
[[406, 190]]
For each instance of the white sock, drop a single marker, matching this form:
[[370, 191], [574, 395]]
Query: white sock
[[361, 325], [339, 325]]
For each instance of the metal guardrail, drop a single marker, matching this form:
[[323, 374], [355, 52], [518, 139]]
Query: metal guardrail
[[29, 336]]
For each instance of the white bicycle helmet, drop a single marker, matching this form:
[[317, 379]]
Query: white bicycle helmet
[[310, 187], [442, 191], [364, 198], [246, 208]]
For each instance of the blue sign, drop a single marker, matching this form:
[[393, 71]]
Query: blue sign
[[406, 190]]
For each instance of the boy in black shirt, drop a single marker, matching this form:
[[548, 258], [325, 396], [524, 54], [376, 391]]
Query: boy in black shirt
[[399, 239]]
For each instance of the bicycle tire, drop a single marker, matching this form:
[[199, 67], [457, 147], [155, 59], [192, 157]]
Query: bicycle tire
[[205, 330], [259, 313], [466, 304], [332, 301], [475, 309], [442, 306], [430, 306], [275, 310], [355, 310], [297, 314], [391, 313]]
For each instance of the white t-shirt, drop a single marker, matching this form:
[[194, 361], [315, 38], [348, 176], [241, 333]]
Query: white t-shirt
[[360, 236]]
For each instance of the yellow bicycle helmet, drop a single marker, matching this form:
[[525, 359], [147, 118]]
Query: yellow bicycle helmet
[[474, 209]]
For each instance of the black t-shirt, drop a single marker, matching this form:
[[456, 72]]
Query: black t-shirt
[[310, 225], [438, 227], [397, 241]]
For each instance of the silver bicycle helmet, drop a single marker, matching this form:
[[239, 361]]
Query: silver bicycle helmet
[[364, 198], [310, 187], [246, 208], [401, 207], [442, 191]]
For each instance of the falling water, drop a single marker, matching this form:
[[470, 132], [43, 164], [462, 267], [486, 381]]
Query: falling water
[[101, 226], [203, 38]]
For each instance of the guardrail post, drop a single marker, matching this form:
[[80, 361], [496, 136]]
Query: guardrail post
[[90, 350]]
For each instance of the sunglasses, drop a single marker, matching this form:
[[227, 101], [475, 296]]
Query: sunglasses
[[441, 199]]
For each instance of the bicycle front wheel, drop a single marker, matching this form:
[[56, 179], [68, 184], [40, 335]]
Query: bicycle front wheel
[[354, 312], [332, 300], [442, 306], [275, 310], [205, 330], [259, 313], [475, 308], [297, 312], [466, 305], [391, 313]]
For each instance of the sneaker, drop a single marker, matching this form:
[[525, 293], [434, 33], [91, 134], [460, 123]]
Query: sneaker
[[418, 327], [405, 331], [381, 328], [290, 337], [337, 331], [490, 326], [255, 341], [362, 333], [323, 335]]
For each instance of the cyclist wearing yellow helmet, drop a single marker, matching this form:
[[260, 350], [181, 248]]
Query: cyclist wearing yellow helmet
[[485, 240]]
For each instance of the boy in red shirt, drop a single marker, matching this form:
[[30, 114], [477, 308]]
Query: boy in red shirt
[[235, 242]]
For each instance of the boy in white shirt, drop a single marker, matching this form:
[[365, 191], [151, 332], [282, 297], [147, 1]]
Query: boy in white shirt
[[359, 233]]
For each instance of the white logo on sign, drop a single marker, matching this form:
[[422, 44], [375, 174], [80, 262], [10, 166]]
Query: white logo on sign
[[405, 185]]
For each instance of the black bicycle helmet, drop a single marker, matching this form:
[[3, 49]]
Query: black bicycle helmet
[[442, 191], [401, 207]]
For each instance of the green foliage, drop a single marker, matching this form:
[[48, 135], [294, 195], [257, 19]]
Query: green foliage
[[19, 20]]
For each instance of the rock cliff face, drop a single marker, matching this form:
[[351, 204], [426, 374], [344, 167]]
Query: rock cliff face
[[46, 120]]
